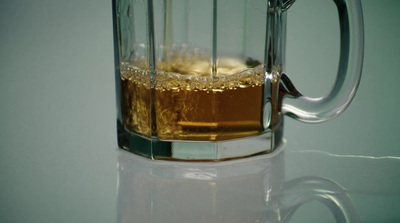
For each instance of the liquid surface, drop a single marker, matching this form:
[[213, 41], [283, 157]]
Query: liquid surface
[[190, 102]]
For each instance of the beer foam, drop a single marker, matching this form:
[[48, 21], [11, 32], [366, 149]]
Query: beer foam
[[175, 81], [191, 70]]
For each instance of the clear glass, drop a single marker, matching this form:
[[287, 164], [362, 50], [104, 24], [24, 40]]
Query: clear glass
[[204, 80]]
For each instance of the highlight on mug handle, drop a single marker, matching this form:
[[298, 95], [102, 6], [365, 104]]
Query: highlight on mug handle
[[314, 110]]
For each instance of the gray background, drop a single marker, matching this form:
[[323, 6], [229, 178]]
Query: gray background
[[58, 156]]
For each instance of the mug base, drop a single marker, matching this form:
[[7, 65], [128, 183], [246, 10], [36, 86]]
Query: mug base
[[206, 151]]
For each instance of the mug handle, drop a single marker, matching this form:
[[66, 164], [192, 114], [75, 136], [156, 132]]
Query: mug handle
[[315, 110], [327, 192]]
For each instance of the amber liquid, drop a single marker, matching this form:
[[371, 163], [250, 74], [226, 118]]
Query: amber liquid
[[189, 102]]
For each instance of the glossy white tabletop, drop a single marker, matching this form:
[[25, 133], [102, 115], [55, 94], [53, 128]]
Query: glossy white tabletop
[[59, 160]]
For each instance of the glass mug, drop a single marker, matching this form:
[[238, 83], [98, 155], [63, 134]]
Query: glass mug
[[204, 80]]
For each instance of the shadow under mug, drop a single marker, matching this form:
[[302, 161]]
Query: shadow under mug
[[246, 190], [204, 80]]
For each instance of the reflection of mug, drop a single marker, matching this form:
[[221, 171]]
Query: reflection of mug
[[191, 71], [247, 190]]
